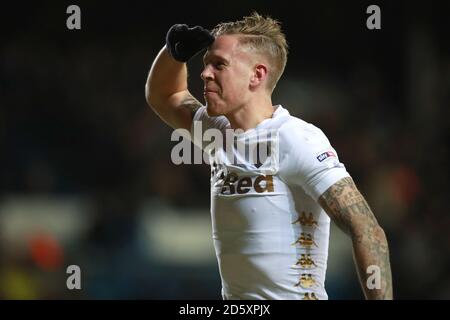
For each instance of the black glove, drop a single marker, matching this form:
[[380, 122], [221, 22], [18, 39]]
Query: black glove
[[183, 42]]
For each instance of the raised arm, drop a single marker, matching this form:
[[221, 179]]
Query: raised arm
[[166, 89], [167, 93], [349, 210]]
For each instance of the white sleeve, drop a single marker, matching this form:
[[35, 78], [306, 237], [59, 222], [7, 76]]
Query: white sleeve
[[309, 160], [201, 122]]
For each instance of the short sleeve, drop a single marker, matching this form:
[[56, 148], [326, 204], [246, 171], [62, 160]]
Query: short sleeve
[[307, 159]]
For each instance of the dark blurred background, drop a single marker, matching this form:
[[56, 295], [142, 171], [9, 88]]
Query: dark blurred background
[[85, 171]]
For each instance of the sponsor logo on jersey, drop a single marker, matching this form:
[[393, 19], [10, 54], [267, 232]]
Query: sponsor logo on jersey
[[306, 281], [325, 155], [306, 220], [306, 262], [233, 184], [305, 240]]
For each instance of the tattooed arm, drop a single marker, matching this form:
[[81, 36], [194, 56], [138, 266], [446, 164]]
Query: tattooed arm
[[166, 92], [350, 211]]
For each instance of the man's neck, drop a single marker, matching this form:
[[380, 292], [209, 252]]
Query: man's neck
[[250, 115]]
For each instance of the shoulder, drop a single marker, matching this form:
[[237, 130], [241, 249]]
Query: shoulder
[[296, 133], [304, 146]]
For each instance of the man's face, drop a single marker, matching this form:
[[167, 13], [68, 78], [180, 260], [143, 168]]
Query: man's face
[[226, 74]]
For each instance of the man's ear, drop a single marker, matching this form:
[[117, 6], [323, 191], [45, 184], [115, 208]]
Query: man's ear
[[259, 76]]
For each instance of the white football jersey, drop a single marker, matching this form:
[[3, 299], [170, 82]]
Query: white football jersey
[[270, 234]]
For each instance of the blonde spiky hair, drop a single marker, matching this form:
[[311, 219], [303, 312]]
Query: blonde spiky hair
[[264, 36]]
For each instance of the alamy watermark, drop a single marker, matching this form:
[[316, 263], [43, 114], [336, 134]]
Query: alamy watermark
[[374, 280], [229, 146], [374, 20], [74, 280], [74, 20]]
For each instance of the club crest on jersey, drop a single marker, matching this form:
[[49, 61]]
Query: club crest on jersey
[[325, 155]]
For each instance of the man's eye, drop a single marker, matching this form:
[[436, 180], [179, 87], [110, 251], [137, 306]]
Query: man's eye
[[219, 65]]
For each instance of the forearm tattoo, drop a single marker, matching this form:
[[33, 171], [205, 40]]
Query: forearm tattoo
[[349, 210]]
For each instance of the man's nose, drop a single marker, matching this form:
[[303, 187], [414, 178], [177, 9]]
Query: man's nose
[[206, 74]]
